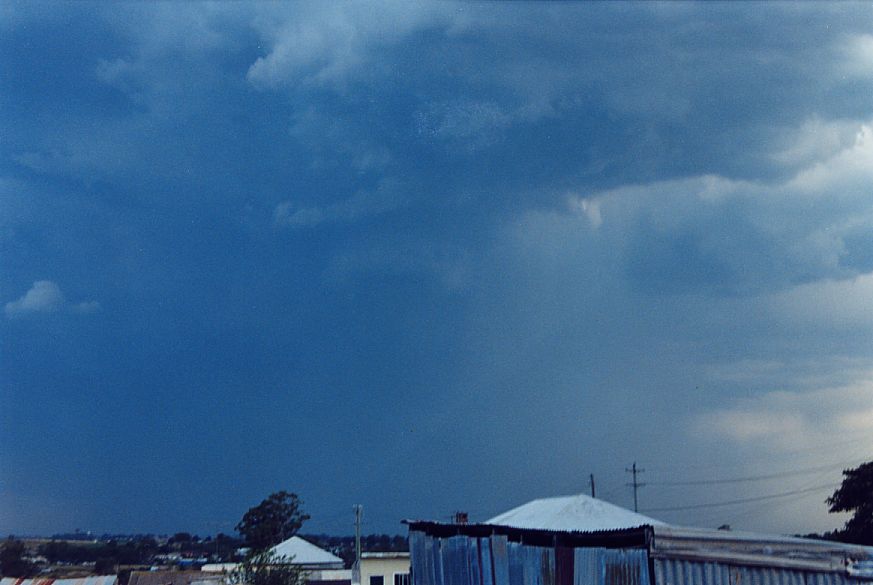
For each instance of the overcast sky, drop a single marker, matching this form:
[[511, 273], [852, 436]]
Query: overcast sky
[[432, 257]]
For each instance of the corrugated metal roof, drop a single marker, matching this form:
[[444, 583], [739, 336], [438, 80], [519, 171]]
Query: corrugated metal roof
[[385, 555], [689, 572], [172, 577], [578, 513], [93, 580], [757, 549], [304, 552]]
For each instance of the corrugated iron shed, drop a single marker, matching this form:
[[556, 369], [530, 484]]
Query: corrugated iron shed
[[485, 554], [577, 540]]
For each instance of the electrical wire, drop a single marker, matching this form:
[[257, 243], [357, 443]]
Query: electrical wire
[[742, 500], [858, 436], [720, 516], [753, 477]]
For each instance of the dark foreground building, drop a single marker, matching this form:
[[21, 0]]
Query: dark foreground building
[[489, 554]]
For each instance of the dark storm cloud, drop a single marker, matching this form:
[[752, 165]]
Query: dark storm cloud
[[440, 244]]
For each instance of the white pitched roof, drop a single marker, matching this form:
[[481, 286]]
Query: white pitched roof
[[304, 552], [572, 513]]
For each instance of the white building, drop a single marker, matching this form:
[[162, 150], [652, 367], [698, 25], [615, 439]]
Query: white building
[[321, 566], [385, 568]]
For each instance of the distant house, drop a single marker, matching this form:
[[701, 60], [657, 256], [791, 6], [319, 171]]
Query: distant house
[[385, 568], [307, 555], [322, 567], [577, 540]]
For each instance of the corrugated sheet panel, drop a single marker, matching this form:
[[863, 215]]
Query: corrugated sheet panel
[[475, 570], [600, 566], [686, 572], [456, 561], [468, 560], [438, 577], [485, 564], [825, 579], [586, 566], [421, 574], [500, 559], [548, 566], [516, 563], [532, 566]]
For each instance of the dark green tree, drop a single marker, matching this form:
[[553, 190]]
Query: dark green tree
[[855, 495], [180, 537], [275, 519], [266, 568], [105, 566], [12, 561]]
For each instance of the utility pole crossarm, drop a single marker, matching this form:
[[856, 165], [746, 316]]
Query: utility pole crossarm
[[636, 483]]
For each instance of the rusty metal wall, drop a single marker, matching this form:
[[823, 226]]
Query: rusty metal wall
[[601, 566], [494, 560], [468, 560]]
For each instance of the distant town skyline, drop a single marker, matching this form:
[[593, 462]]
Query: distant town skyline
[[432, 257]]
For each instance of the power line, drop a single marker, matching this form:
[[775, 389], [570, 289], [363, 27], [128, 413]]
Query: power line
[[756, 508], [769, 506], [782, 453], [742, 500], [636, 484], [753, 477]]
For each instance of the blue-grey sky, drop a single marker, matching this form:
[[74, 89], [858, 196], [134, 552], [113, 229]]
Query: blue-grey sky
[[431, 257]]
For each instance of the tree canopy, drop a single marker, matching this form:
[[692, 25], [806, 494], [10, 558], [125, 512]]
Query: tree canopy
[[12, 559], [266, 568], [855, 495], [275, 519]]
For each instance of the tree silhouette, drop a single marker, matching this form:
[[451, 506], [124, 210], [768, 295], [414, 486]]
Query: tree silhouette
[[855, 495], [266, 568], [275, 519], [12, 559]]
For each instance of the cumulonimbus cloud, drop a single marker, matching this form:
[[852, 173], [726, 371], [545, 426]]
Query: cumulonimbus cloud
[[716, 234], [329, 44], [792, 419]]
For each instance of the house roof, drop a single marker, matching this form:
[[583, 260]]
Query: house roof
[[304, 552], [385, 555], [94, 580], [579, 513], [171, 578], [753, 548]]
